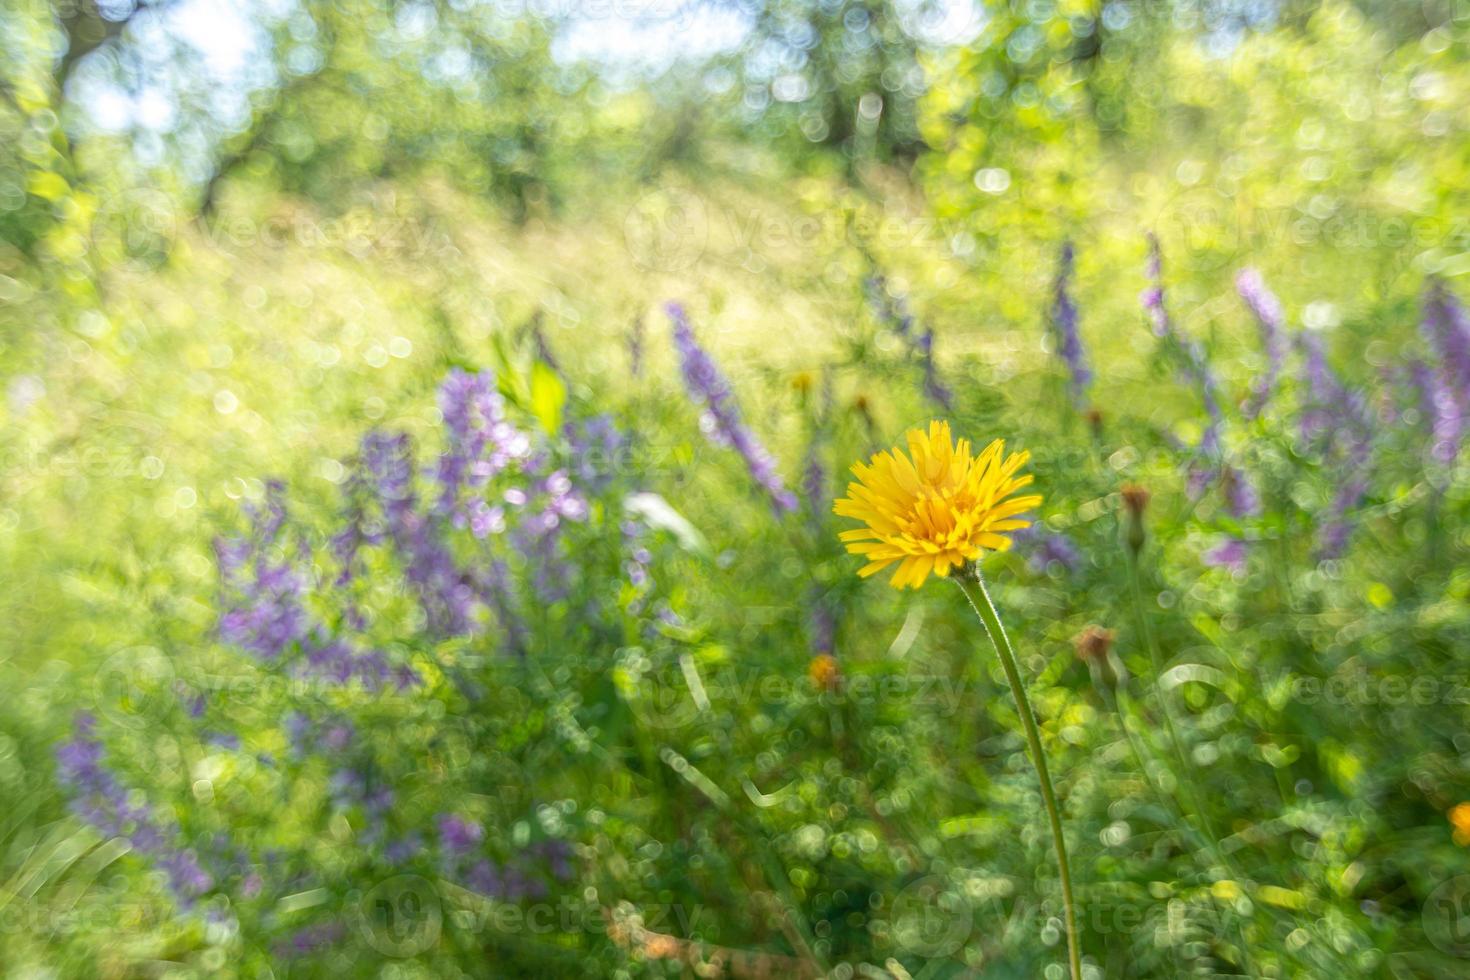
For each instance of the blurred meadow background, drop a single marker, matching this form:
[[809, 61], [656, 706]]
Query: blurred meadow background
[[420, 423]]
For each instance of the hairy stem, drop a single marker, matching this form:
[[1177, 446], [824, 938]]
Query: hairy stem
[[973, 587]]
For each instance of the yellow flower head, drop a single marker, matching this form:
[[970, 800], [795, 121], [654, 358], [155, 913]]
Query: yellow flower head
[[937, 510], [1460, 820], [824, 672]]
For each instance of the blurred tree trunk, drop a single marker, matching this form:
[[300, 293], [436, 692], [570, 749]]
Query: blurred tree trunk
[[87, 30]]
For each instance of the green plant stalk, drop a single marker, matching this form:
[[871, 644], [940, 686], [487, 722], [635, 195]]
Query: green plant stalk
[[973, 587], [1206, 830]]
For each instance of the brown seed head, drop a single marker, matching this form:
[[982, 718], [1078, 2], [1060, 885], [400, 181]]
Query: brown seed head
[[1093, 643], [1135, 498]]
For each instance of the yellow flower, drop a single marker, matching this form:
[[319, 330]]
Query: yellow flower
[[937, 510], [824, 672], [1460, 819]]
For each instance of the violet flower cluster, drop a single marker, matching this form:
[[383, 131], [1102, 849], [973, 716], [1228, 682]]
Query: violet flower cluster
[[1066, 334], [892, 312], [1195, 364], [635, 347], [265, 584], [1210, 468], [721, 420], [1336, 421], [436, 528], [815, 489], [1445, 389], [461, 857], [100, 799], [481, 444], [1045, 550], [1271, 320]]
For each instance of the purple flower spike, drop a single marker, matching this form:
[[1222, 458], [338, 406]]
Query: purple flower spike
[[100, 799], [1335, 419], [1231, 554], [481, 444], [1271, 320], [1445, 390], [1210, 468], [893, 313], [458, 835], [1196, 366], [1065, 332], [721, 421], [1241, 496], [1047, 549], [1441, 410]]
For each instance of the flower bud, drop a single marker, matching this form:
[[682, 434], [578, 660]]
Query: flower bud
[[1135, 499], [1094, 647]]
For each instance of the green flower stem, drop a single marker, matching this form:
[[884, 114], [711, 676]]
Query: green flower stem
[[973, 587]]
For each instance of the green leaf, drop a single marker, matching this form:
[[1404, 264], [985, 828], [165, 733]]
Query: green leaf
[[48, 185], [548, 396], [659, 514]]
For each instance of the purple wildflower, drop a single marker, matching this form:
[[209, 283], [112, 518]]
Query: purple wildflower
[[1441, 409], [1045, 549], [481, 443], [101, 800], [458, 835], [1336, 420], [635, 347], [636, 562], [484, 877], [933, 387], [1211, 467], [552, 501], [814, 476], [268, 618], [892, 312], [1271, 320], [266, 615], [721, 420], [1447, 328], [1241, 496], [823, 622], [597, 448], [1064, 326], [1230, 554], [1195, 364], [1445, 391], [446, 592], [403, 850], [310, 939]]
